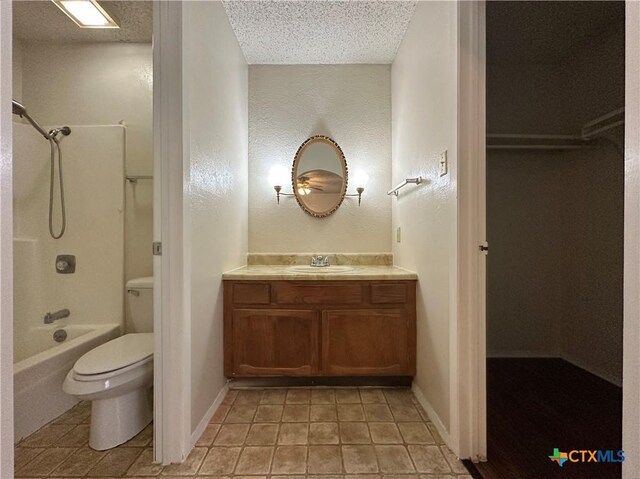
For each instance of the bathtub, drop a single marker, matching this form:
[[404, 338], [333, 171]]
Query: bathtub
[[40, 368]]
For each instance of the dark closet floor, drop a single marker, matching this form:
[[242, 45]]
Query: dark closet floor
[[536, 405]]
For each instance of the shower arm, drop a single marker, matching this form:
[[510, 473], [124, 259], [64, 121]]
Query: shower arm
[[21, 111], [36, 126]]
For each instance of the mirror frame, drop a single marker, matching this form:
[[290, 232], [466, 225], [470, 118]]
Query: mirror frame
[[294, 174]]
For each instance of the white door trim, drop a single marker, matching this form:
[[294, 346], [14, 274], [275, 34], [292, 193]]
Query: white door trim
[[468, 334], [631, 321], [6, 245], [172, 372]]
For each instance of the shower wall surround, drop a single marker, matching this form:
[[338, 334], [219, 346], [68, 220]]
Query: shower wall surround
[[352, 105], [93, 165], [100, 84]]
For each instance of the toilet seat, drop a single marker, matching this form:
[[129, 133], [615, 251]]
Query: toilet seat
[[110, 374], [115, 357]]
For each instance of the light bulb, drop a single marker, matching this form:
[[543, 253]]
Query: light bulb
[[278, 175], [360, 179]]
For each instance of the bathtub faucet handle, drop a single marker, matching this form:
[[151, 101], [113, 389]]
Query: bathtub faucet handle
[[51, 317]]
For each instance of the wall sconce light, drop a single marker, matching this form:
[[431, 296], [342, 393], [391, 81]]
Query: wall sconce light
[[278, 176], [360, 179]]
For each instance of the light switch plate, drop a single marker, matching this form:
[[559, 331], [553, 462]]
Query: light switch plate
[[444, 163], [398, 235]]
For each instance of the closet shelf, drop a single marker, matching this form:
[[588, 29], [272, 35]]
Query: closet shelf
[[535, 142], [589, 131]]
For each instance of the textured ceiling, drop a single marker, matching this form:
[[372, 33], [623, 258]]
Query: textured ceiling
[[319, 31], [42, 21], [535, 32]]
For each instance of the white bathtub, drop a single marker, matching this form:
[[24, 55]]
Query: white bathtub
[[41, 368]]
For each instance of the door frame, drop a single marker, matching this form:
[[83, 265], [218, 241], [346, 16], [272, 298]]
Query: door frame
[[6, 244], [631, 321], [172, 373], [468, 436]]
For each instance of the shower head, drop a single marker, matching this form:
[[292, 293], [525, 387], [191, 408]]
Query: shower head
[[18, 109], [65, 130], [21, 111]]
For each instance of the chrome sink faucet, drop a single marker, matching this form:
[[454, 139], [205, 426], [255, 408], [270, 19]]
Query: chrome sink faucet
[[319, 261], [51, 317]]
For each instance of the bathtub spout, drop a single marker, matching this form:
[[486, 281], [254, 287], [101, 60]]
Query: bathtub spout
[[51, 317]]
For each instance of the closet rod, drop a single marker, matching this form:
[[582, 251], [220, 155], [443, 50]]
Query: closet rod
[[602, 118], [597, 131], [533, 137], [540, 147]]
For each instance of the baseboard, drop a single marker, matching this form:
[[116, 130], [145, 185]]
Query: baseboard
[[546, 355], [600, 374], [202, 425], [523, 354], [433, 416]]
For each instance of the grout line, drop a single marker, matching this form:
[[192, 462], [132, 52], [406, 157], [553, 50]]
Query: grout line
[[278, 426]]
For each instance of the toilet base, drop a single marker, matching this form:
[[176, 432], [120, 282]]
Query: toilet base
[[116, 420]]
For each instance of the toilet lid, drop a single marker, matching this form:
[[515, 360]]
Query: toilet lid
[[116, 354]]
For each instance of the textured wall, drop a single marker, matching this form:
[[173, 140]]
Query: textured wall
[[101, 84], [215, 86], [93, 164], [423, 87], [352, 105]]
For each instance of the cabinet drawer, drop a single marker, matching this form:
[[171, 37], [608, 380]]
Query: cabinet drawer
[[254, 293], [327, 293], [388, 293]]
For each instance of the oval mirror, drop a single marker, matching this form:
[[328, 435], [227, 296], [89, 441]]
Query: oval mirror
[[319, 176]]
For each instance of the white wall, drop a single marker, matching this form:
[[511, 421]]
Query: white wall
[[93, 165], [423, 86], [216, 130], [352, 105], [100, 84]]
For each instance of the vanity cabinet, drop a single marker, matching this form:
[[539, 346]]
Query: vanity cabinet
[[319, 328]]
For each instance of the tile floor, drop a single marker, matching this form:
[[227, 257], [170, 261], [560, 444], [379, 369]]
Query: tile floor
[[342, 433]]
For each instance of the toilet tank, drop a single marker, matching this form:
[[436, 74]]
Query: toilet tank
[[139, 300]]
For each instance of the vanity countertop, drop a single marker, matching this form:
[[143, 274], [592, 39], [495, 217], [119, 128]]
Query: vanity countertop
[[283, 272]]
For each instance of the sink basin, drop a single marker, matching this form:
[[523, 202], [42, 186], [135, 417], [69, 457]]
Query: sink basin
[[316, 270]]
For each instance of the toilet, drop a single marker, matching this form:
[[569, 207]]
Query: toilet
[[117, 376]]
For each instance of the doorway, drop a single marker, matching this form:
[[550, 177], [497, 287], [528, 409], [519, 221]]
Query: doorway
[[91, 267], [555, 207]]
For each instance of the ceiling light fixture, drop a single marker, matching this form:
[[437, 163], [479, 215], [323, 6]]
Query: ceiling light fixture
[[86, 13]]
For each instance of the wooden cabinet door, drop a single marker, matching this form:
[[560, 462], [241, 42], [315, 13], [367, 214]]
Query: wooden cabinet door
[[365, 342], [268, 342]]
